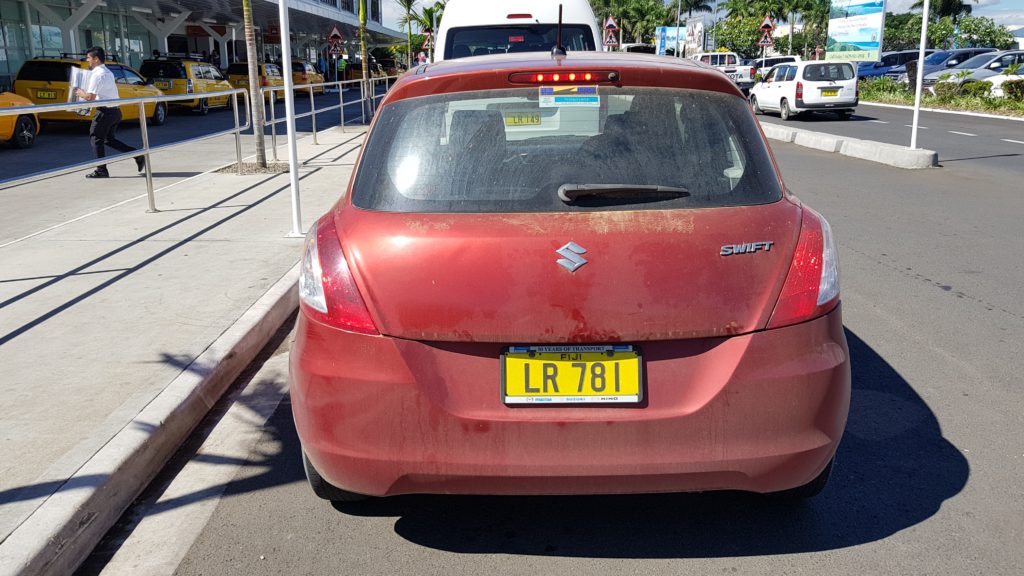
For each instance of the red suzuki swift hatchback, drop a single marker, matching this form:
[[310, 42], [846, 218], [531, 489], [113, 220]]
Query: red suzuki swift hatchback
[[568, 275]]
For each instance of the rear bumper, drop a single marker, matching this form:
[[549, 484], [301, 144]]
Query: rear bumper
[[761, 412], [837, 105]]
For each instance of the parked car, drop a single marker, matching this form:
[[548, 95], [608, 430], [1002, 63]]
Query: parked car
[[45, 80], [18, 131], [729, 64], [638, 47], [938, 61], [306, 73], [981, 67], [179, 76], [887, 62], [815, 86], [270, 76], [626, 302], [474, 28]]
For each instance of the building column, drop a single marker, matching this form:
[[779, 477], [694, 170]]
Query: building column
[[69, 27], [227, 37], [162, 32], [28, 22]]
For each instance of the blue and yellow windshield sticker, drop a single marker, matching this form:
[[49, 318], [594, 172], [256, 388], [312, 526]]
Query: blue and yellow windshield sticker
[[569, 96]]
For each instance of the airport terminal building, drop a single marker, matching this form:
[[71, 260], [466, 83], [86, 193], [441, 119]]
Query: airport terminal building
[[132, 29]]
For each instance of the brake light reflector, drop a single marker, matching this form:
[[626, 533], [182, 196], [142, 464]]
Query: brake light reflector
[[563, 76], [327, 290], [189, 87], [812, 284], [799, 90], [514, 16]]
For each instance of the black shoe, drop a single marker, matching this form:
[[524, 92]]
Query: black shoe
[[98, 174], [140, 162]]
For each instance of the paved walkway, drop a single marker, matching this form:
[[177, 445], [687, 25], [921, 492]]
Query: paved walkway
[[103, 306]]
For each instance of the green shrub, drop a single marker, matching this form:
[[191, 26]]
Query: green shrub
[[872, 88], [1014, 90], [946, 91], [975, 89]]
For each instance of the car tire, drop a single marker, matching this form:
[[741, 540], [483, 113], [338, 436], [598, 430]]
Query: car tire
[[809, 490], [25, 131], [204, 107], [324, 489], [159, 117], [785, 111], [753, 104]]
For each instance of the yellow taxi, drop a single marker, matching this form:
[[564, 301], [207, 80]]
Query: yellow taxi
[[180, 76], [45, 81], [304, 72], [270, 76], [18, 131]]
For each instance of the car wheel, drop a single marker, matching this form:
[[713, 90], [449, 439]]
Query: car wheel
[[844, 114], [784, 110], [753, 104], [159, 114], [809, 490], [24, 132], [204, 107], [324, 489]]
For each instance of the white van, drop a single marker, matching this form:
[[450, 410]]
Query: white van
[[478, 28], [815, 86]]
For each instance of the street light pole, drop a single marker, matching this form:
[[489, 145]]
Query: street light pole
[[679, 10], [920, 76], [289, 114]]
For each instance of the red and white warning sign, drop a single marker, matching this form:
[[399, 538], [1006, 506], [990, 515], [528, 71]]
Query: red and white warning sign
[[610, 39], [767, 39], [610, 24]]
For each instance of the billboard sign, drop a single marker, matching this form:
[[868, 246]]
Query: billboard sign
[[690, 37], [855, 30]]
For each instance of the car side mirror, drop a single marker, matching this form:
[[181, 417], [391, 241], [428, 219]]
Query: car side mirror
[[878, 65], [952, 63], [995, 66]]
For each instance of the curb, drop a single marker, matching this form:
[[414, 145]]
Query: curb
[[61, 533], [942, 111], [891, 154]]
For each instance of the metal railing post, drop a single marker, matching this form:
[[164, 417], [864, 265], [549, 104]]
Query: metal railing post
[[362, 99], [143, 121], [341, 105], [238, 132], [273, 124], [312, 111]]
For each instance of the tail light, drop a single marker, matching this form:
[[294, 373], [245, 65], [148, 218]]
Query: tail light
[[189, 87], [753, 71], [264, 81], [327, 290], [812, 285], [305, 78], [799, 90], [564, 76]]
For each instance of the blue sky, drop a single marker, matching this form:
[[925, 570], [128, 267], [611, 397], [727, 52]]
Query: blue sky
[[1007, 12]]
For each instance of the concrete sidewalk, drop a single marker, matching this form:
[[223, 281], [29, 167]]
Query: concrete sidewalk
[[119, 329]]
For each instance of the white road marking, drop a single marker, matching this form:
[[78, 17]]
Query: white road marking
[[962, 133], [878, 121], [1012, 141], [911, 126]]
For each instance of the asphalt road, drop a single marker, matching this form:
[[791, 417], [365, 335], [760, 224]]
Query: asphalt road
[[928, 476], [958, 138], [65, 143]]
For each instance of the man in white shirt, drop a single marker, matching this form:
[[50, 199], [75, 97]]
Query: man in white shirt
[[101, 86]]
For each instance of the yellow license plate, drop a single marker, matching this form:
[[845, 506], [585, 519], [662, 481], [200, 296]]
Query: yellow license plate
[[522, 119], [571, 375], [47, 94], [162, 84], [830, 92]]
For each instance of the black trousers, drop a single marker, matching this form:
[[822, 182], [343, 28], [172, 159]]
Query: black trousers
[[103, 132]]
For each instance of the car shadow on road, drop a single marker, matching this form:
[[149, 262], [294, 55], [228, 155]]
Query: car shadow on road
[[894, 470]]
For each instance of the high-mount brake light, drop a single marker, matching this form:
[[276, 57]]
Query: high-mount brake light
[[327, 289], [563, 76], [812, 284], [516, 16]]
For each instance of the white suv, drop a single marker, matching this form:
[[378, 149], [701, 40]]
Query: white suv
[[730, 64], [807, 87]]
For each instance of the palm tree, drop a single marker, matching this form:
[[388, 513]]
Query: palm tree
[[787, 13], [362, 56], [815, 17], [409, 6], [942, 8], [254, 86], [426, 19]]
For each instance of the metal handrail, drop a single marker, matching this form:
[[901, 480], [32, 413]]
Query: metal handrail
[[273, 121], [146, 149]]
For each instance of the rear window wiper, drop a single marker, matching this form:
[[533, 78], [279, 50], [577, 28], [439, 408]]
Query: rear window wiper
[[570, 192]]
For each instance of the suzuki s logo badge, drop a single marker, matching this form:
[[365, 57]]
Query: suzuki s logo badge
[[572, 260], [748, 248]]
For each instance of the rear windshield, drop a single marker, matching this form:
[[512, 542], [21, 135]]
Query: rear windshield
[[510, 151], [825, 72], [484, 40], [298, 67], [271, 70], [44, 70], [159, 69]]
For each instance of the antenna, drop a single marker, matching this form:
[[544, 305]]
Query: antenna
[[558, 51]]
